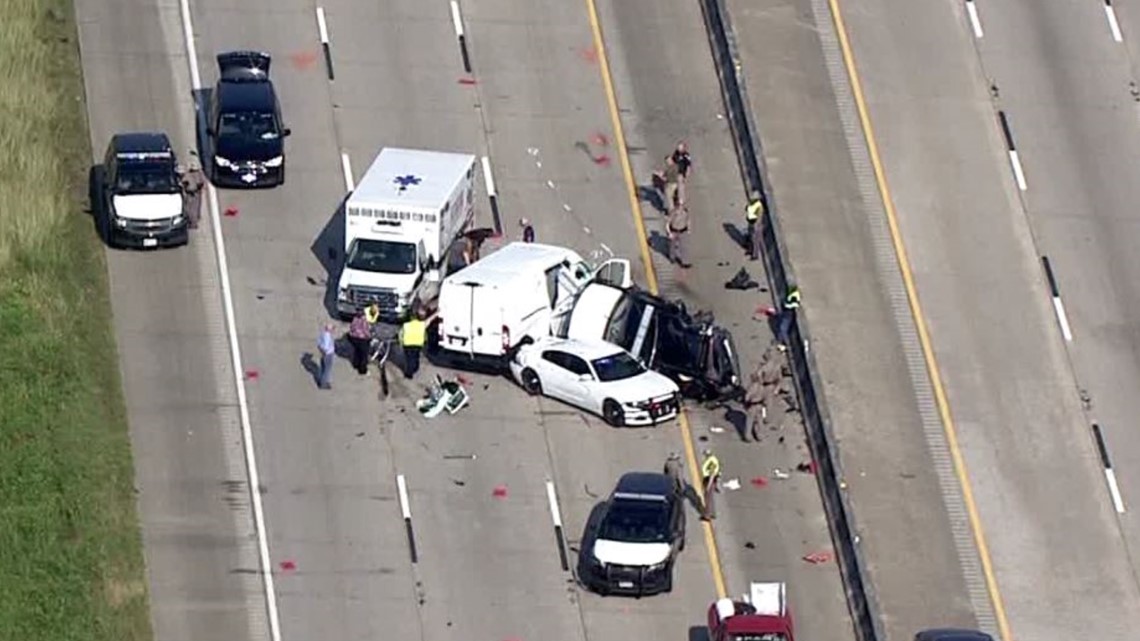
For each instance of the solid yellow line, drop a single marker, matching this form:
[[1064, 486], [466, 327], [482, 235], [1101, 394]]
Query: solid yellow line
[[920, 324], [650, 274]]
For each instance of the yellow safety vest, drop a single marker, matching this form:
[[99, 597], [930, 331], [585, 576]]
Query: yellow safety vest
[[413, 333], [754, 210], [371, 316], [711, 466], [792, 301]]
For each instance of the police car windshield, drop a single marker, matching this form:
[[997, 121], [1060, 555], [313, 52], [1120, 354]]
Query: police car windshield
[[616, 367], [146, 178], [636, 521], [383, 257], [254, 125]]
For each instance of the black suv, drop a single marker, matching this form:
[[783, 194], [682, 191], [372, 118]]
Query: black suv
[[640, 533], [245, 130], [699, 355], [136, 193]]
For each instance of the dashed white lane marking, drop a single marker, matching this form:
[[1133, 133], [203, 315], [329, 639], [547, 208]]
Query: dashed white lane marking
[[489, 177], [456, 19], [322, 26], [1113, 24], [1114, 491], [975, 21], [1062, 318], [1018, 173], [346, 169], [235, 354], [552, 499], [402, 489]]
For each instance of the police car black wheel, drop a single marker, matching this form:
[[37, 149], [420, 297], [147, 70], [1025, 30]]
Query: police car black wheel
[[531, 382], [612, 413]]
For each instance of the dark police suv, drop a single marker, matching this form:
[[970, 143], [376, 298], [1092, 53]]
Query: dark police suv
[[641, 531], [245, 129], [139, 198]]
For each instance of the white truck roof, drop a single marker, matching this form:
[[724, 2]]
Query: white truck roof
[[512, 262], [413, 178], [769, 598]]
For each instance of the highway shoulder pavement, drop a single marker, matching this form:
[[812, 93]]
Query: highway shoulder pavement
[[836, 253]]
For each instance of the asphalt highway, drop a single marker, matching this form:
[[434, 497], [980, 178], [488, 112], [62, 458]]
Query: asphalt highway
[[975, 221], [329, 510]]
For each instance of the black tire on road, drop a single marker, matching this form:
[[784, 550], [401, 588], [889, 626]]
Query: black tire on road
[[612, 413], [530, 382]]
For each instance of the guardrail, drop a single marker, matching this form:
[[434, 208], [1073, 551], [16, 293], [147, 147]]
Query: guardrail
[[821, 440]]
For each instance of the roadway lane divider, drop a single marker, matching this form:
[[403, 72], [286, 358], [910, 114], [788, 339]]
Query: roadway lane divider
[[457, 22], [406, 512], [556, 517], [1109, 474], [1113, 24], [323, 30], [492, 195], [975, 21], [253, 476], [346, 168], [1011, 149], [1058, 304]]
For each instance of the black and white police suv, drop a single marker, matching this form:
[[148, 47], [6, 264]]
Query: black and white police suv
[[139, 199], [245, 127], [642, 530]]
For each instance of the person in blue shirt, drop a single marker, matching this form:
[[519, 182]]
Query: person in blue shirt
[[327, 346]]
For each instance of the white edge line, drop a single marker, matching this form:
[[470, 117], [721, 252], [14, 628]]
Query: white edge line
[[1017, 171], [1112, 23], [1062, 318], [975, 21], [456, 19], [402, 490], [346, 168], [1114, 490], [322, 26], [235, 352], [488, 177], [552, 497]]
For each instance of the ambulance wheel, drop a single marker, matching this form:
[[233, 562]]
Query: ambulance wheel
[[530, 382], [612, 413]]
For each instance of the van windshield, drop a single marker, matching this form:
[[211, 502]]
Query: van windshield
[[382, 256]]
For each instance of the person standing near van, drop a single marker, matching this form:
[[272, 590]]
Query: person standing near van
[[360, 336], [678, 228], [192, 183], [413, 335], [327, 347], [527, 230]]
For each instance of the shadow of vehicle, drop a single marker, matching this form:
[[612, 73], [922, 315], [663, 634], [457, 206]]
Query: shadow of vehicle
[[96, 205], [328, 249], [699, 633], [585, 547]]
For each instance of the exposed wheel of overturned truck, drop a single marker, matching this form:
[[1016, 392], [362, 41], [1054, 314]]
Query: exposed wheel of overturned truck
[[530, 382], [612, 413]]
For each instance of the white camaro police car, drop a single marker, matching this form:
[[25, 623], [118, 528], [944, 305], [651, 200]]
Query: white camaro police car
[[598, 377]]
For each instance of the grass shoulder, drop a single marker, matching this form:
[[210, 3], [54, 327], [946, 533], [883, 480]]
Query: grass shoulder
[[70, 552]]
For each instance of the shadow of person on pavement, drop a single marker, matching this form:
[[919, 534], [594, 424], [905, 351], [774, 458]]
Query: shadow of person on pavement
[[309, 362]]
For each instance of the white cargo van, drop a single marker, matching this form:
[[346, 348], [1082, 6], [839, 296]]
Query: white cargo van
[[399, 225], [521, 290]]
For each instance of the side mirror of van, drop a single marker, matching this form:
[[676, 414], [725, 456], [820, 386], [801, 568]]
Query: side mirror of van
[[286, 131]]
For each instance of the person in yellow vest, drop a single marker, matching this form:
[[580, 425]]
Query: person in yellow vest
[[752, 214], [413, 334], [788, 314], [710, 484], [372, 314]]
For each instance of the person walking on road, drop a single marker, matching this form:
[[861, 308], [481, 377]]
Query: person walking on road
[[671, 179], [327, 347], [413, 334], [360, 337], [752, 214], [682, 159], [527, 230], [788, 314], [192, 183], [678, 228], [710, 484], [675, 471]]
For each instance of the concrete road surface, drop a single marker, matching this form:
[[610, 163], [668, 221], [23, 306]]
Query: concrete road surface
[[487, 564], [1030, 459]]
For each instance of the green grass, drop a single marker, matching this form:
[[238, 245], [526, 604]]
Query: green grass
[[70, 554]]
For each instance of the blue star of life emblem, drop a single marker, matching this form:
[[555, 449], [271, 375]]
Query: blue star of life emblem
[[407, 181]]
